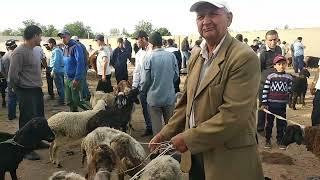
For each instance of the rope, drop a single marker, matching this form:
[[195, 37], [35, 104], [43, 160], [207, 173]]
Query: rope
[[11, 141], [169, 148], [282, 118]]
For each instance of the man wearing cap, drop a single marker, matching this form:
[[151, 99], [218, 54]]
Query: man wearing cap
[[119, 61], [103, 65], [213, 125], [74, 67], [85, 93], [160, 71], [6, 59], [56, 67], [144, 51]]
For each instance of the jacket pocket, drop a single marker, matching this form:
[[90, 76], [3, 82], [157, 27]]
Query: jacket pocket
[[241, 141]]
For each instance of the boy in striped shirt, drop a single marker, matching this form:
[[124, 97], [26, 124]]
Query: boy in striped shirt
[[275, 98]]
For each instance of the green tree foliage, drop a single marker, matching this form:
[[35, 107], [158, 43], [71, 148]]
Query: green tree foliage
[[49, 31], [163, 31], [114, 32], [79, 29]]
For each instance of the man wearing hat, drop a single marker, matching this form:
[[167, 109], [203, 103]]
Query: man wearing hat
[[213, 125], [160, 71], [74, 67], [5, 64]]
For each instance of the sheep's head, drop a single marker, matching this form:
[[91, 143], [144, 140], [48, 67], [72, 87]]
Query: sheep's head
[[304, 73], [104, 157], [34, 131], [121, 101], [121, 145], [133, 96], [293, 134]]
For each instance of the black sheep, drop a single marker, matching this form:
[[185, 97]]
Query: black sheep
[[5, 136], [312, 62], [299, 88], [24, 141], [117, 116], [294, 134]]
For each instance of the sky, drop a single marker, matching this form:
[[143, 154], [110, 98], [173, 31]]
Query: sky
[[249, 15]]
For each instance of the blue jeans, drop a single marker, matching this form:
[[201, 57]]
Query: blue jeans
[[59, 82], [85, 93], [298, 63], [146, 115], [12, 103]]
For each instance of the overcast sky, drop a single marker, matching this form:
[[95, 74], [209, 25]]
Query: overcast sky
[[173, 14]]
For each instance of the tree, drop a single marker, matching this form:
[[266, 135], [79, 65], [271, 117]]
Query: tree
[[8, 32], [49, 31], [114, 32], [79, 29], [286, 26], [125, 32], [163, 31], [143, 26], [26, 23]]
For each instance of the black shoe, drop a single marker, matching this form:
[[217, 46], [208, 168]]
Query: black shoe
[[42, 145], [147, 132], [268, 144], [32, 156], [12, 118]]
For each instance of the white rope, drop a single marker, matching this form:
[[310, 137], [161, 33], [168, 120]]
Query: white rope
[[167, 149], [282, 118]]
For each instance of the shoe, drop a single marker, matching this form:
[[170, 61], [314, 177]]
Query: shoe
[[147, 132], [32, 156], [12, 118], [268, 144], [42, 145], [281, 146]]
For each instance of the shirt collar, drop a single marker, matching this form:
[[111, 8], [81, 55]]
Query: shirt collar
[[204, 49]]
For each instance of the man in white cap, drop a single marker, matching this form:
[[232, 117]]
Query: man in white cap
[[213, 125]]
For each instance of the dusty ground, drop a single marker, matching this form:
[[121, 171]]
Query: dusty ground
[[293, 164]]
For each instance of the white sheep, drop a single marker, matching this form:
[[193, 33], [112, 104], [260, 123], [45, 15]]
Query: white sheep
[[63, 175], [164, 168], [104, 135], [70, 126], [109, 98]]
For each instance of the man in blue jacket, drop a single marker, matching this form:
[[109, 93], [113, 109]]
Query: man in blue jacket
[[74, 67]]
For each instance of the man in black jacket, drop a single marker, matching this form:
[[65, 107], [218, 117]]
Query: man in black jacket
[[267, 53]]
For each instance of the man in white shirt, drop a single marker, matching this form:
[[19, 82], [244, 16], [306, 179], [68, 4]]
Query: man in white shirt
[[142, 41], [315, 116], [103, 66]]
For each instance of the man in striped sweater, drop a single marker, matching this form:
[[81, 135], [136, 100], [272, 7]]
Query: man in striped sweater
[[275, 98]]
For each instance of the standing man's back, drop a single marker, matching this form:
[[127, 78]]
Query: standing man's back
[[160, 72]]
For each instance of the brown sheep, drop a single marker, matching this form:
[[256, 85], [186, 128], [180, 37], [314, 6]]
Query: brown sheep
[[103, 161]]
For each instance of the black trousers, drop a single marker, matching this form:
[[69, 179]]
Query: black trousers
[[261, 115], [30, 104], [104, 86], [281, 125], [3, 86], [49, 81], [315, 116], [197, 167]]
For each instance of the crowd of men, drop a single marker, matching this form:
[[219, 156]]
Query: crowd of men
[[212, 125]]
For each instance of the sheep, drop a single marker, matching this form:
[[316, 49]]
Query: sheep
[[103, 162], [309, 135], [63, 175], [164, 168], [70, 126], [5, 136], [25, 140], [299, 88], [104, 135], [109, 98], [119, 115]]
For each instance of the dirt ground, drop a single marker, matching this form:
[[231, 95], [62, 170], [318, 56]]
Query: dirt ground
[[295, 163]]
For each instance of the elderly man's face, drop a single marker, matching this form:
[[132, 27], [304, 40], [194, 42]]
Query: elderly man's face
[[213, 22], [271, 41]]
